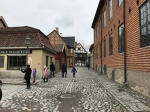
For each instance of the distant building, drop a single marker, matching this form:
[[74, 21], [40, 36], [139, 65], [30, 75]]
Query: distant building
[[122, 42], [64, 46], [70, 41], [60, 47], [14, 54], [90, 56], [80, 55]]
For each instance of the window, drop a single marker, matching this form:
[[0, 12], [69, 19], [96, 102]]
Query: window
[[100, 50], [105, 48], [110, 44], [120, 2], [104, 18], [1, 61], [15, 62], [110, 9], [145, 24], [121, 39], [47, 58], [100, 27], [97, 31], [78, 48], [71, 51]]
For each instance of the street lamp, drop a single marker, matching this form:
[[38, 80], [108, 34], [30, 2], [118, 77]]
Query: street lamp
[[27, 42]]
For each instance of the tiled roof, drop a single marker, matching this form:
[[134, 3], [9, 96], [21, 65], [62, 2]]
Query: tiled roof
[[15, 37], [70, 41], [58, 48]]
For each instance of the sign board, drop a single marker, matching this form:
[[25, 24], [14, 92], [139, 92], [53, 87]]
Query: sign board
[[15, 51]]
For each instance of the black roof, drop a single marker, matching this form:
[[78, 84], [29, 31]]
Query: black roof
[[98, 11], [70, 41]]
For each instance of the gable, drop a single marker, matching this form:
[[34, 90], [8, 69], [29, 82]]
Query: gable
[[80, 49], [55, 38]]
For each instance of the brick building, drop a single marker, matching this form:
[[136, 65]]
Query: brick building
[[122, 42]]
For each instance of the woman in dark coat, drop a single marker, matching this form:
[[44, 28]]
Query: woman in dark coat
[[64, 70], [52, 69], [27, 72]]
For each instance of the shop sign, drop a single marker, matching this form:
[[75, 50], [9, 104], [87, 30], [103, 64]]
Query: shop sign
[[15, 51]]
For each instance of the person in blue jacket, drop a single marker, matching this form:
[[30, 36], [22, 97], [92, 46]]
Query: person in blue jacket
[[73, 71]]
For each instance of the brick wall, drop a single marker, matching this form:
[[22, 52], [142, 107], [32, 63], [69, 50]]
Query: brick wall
[[137, 58]]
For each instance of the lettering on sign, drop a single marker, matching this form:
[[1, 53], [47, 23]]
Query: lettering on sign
[[15, 51]]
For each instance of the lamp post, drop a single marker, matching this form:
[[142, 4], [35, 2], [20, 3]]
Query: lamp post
[[27, 42]]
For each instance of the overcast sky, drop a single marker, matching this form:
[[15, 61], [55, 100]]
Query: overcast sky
[[73, 17]]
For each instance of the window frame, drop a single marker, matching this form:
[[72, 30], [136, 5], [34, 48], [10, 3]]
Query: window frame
[[110, 44], [121, 38], [120, 2], [110, 9], [104, 18], [104, 47], [145, 39], [13, 62]]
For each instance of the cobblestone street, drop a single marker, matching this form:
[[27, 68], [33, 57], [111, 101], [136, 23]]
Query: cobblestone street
[[88, 92]]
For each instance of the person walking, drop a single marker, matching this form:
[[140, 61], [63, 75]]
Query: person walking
[[88, 66], [27, 77], [64, 70], [52, 69], [45, 78], [73, 71], [34, 74]]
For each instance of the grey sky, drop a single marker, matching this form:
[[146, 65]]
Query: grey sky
[[73, 17]]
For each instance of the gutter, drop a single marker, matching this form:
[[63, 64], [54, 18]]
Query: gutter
[[125, 62]]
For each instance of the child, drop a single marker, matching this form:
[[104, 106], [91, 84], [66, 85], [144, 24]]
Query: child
[[45, 78], [73, 71], [34, 74]]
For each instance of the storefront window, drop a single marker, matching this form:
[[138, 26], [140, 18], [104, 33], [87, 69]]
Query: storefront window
[[16, 62], [1, 61]]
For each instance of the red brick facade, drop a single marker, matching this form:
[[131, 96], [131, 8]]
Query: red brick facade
[[135, 54], [137, 57]]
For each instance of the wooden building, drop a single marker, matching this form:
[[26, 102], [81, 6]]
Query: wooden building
[[60, 47], [80, 55]]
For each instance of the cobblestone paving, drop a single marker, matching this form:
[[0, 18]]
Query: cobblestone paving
[[88, 92]]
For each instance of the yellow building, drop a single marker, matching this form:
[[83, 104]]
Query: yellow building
[[16, 53]]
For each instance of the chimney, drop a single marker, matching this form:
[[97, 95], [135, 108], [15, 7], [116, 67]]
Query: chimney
[[57, 30]]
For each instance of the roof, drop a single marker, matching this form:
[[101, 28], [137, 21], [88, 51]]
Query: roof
[[98, 12], [15, 37], [58, 48], [70, 41], [3, 21]]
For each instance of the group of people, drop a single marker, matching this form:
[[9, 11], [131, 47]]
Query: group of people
[[28, 71]]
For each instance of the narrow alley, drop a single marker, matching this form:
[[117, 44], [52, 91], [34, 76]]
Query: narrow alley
[[88, 92]]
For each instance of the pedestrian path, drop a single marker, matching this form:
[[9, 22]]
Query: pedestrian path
[[88, 92], [123, 97]]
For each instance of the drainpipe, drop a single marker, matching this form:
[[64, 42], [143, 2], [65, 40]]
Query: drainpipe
[[101, 45], [125, 63]]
